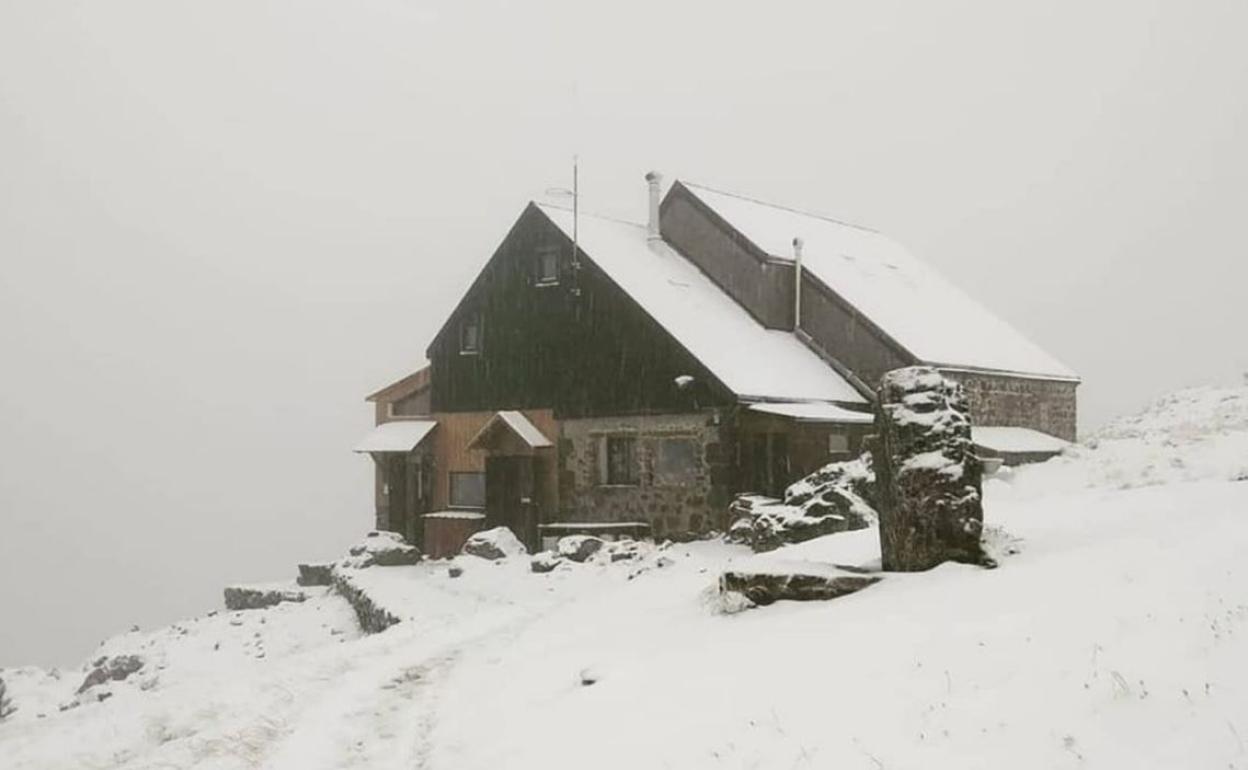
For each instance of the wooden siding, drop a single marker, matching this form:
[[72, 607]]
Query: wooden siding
[[762, 286], [581, 347], [847, 335], [451, 454]]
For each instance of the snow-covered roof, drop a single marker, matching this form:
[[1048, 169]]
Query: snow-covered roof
[[396, 436], [519, 424], [1007, 439], [805, 411], [912, 303], [750, 360]]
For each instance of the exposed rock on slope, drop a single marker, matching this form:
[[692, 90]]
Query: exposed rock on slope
[[6, 707], [260, 596], [114, 669]]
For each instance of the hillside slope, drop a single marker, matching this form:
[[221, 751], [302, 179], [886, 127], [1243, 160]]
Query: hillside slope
[[1116, 635]]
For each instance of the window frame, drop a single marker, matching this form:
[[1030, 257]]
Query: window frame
[[540, 276], [836, 451], [471, 321], [688, 475], [607, 468], [450, 491]]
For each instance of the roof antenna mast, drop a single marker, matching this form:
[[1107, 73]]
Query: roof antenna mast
[[576, 201]]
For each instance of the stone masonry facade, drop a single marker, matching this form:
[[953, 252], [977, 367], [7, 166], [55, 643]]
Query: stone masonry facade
[[696, 503], [1044, 405]]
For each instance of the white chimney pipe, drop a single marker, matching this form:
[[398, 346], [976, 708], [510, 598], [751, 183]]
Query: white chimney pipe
[[653, 179], [797, 284]]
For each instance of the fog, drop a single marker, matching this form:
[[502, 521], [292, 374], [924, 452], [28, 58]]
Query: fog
[[223, 223]]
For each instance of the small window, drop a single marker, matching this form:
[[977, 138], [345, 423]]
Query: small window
[[677, 462], [620, 461], [467, 489], [546, 267], [470, 334], [838, 443]]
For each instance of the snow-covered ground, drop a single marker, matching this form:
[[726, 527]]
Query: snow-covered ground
[[1116, 637]]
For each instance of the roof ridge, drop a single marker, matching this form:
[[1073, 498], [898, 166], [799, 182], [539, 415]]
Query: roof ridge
[[584, 213], [790, 209]]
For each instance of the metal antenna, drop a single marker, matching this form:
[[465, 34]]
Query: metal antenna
[[576, 200]]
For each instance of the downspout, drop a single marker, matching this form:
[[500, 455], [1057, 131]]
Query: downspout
[[797, 284]]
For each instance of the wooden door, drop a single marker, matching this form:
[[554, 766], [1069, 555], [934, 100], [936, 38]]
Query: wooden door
[[509, 496], [396, 500]]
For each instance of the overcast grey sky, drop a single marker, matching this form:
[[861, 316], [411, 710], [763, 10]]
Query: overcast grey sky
[[223, 223]]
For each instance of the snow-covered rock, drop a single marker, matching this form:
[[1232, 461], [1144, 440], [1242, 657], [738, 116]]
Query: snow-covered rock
[[805, 582], [255, 597], [546, 561], [110, 669], [493, 544], [383, 549], [835, 498], [316, 574], [928, 475], [578, 548]]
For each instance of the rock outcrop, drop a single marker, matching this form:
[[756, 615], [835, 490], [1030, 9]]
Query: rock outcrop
[[114, 669], [836, 498], [929, 479], [260, 596], [493, 544]]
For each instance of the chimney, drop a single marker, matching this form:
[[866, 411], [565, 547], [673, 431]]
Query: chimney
[[653, 179], [797, 284]]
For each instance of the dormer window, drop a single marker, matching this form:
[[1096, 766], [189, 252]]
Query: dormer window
[[546, 267], [470, 334]]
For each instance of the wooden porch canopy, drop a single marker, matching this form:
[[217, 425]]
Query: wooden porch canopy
[[396, 436], [509, 433], [811, 411]]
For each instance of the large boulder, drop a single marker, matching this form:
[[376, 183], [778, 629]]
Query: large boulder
[[929, 478], [113, 669], [493, 544], [836, 498], [383, 549]]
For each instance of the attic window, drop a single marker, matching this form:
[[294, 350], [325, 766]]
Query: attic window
[[546, 267], [470, 335]]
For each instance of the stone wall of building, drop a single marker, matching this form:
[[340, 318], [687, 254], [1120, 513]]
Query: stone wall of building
[[1044, 405], [695, 504]]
